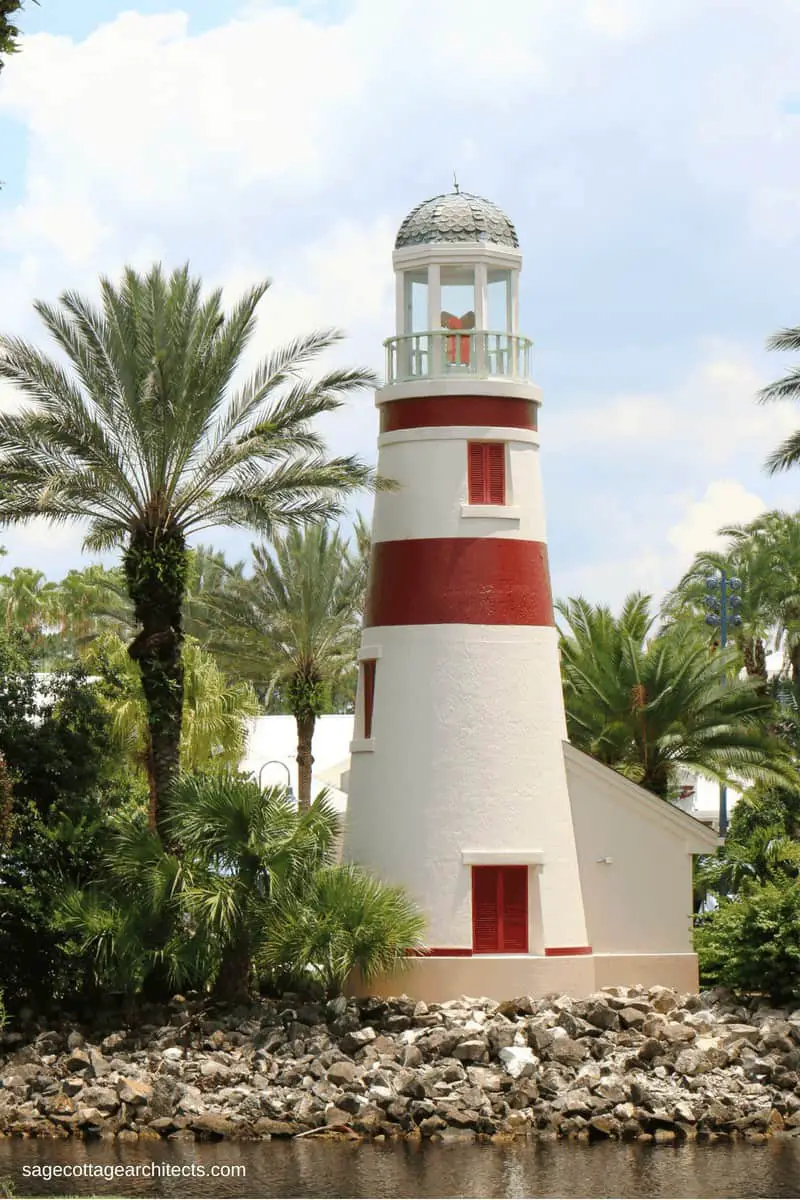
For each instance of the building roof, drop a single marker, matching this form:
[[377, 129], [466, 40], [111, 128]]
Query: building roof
[[456, 217], [699, 837]]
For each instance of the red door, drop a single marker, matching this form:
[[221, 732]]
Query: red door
[[500, 910]]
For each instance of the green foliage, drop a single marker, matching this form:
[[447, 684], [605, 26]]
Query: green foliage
[[9, 30], [342, 920], [647, 702], [256, 882], [215, 710], [752, 943], [65, 781]]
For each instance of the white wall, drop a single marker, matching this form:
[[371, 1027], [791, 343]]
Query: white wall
[[430, 466], [467, 755], [641, 902]]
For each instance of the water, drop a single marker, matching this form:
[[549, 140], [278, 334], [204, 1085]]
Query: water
[[350, 1169]]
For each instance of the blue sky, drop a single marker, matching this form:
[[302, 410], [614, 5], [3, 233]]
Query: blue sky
[[647, 152]]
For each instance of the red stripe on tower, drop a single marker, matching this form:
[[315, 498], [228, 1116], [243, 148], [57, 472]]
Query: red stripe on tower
[[459, 581], [430, 412]]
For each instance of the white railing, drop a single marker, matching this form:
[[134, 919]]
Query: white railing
[[442, 353]]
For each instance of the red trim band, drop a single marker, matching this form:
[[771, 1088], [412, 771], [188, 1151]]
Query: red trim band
[[459, 581], [564, 951], [441, 952], [425, 412]]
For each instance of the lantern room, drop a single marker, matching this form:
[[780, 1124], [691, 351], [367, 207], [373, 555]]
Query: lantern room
[[457, 264]]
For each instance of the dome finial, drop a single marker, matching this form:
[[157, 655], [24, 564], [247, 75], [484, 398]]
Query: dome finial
[[455, 183]]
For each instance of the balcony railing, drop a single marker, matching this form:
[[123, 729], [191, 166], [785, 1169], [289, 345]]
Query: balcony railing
[[442, 353]]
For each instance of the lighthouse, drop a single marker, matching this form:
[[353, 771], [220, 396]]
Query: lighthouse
[[458, 785]]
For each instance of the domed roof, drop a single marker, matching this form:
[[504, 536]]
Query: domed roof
[[456, 217]]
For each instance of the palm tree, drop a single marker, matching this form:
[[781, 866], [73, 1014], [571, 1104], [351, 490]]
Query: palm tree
[[242, 844], [293, 625], [647, 704], [215, 710], [88, 603], [787, 388], [342, 920], [757, 630], [27, 600], [145, 440]]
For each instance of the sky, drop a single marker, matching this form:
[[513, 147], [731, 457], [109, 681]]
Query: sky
[[648, 154]]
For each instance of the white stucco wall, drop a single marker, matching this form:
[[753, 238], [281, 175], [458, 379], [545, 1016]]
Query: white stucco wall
[[466, 755], [430, 467], [640, 902]]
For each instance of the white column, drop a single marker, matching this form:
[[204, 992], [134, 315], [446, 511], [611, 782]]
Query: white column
[[402, 356], [513, 323], [435, 318], [481, 283]]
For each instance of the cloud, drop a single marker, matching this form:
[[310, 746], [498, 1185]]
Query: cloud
[[657, 221], [725, 502]]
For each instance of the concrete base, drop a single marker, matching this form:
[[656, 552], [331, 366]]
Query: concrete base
[[503, 976]]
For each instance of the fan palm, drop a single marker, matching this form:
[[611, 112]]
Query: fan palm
[[242, 843], [145, 441], [294, 626], [648, 704], [343, 919]]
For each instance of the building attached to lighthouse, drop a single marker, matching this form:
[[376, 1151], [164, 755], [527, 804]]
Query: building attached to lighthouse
[[460, 781]]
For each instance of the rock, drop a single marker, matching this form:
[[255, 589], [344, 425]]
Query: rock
[[100, 1066], [486, 1079], [78, 1060], [500, 1035], [75, 1040], [472, 1050], [522, 1006], [134, 1091], [650, 1048], [603, 1016], [213, 1125], [518, 1061], [663, 999], [102, 1098], [357, 1040], [566, 1050], [341, 1072], [431, 1125], [632, 1018], [674, 1032], [412, 1056], [606, 1126], [407, 1083]]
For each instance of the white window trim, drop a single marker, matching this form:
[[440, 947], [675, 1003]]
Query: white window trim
[[502, 512], [502, 858], [362, 745], [368, 653]]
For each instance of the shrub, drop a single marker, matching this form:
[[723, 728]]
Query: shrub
[[752, 943], [341, 920]]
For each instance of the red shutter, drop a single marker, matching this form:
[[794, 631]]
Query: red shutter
[[368, 680], [476, 472], [486, 472], [485, 913], [514, 910], [496, 473]]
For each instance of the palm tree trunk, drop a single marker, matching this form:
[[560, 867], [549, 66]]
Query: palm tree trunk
[[155, 565], [305, 759], [233, 980]]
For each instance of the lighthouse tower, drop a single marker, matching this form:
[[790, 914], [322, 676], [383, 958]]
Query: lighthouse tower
[[457, 787]]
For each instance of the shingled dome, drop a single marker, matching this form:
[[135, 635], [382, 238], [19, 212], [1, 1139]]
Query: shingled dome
[[456, 217]]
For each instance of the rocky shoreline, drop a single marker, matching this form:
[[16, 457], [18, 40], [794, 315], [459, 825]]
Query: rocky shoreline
[[626, 1064]]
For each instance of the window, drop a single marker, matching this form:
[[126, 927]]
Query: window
[[500, 910], [368, 689], [486, 473]]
